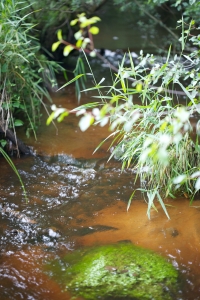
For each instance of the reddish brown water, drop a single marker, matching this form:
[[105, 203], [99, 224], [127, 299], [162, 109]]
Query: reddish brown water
[[76, 199]]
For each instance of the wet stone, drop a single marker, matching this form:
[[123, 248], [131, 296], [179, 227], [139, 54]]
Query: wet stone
[[51, 232], [120, 271]]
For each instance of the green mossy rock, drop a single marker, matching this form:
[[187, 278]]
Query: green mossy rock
[[121, 271]]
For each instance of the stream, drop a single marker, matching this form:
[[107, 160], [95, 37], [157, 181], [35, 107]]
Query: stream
[[76, 199], [79, 199]]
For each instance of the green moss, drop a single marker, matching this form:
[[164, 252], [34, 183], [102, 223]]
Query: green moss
[[118, 271]]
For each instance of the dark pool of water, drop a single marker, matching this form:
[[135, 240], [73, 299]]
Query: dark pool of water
[[129, 30]]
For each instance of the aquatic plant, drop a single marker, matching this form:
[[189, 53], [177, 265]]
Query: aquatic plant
[[116, 272]]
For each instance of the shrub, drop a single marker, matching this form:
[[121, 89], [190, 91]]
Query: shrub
[[153, 135]]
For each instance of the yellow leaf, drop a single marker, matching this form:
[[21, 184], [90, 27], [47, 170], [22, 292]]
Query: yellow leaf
[[95, 19], [94, 30], [73, 22], [55, 46], [139, 87], [50, 118], [62, 116], [87, 22], [59, 34], [79, 43], [123, 85], [163, 126], [81, 15], [67, 50]]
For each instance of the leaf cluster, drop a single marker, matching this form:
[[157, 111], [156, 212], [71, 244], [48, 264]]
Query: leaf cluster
[[83, 36], [151, 125]]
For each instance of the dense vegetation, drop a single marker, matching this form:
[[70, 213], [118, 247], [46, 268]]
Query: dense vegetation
[[22, 70], [155, 137]]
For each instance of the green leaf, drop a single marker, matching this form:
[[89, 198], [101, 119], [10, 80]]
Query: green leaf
[[9, 161], [3, 143], [186, 92], [62, 116], [50, 118], [69, 82], [162, 204], [139, 87], [123, 85], [130, 200], [85, 106], [55, 46], [182, 35], [151, 196], [79, 43], [59, 34], [168, 55], [18, 122], [94, 30], [4, 68], [16, 104], [67, 50]]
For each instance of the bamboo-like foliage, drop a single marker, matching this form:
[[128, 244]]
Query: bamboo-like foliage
[[22, 72], [22, 69], [151, 125]]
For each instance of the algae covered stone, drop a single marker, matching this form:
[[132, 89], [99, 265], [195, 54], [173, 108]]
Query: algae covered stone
[[120, 271]]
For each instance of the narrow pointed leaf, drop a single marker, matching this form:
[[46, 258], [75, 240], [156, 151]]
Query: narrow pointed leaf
[[59, 34], [55, 46]]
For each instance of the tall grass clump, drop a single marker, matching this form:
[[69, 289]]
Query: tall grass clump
[[151, 108], [22, 73], [22, 69]]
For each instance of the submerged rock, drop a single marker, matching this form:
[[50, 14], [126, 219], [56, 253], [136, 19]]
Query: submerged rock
[[121, 271]]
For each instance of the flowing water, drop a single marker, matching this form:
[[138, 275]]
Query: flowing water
[[78, 199]]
